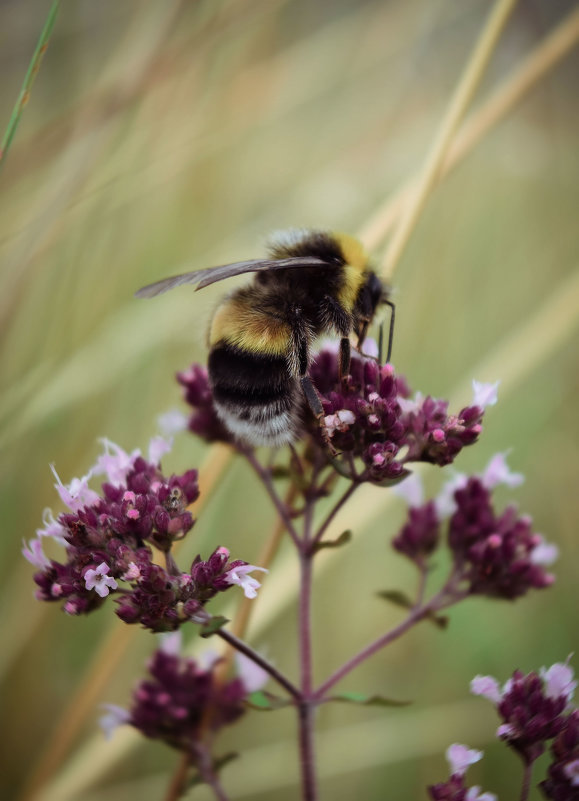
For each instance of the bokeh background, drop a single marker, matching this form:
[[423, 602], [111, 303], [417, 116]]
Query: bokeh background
[[173, 135]]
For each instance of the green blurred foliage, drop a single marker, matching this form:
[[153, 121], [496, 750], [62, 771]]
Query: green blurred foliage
[[168, 136]]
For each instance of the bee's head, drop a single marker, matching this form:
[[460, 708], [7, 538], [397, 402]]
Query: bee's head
[[373, 294]]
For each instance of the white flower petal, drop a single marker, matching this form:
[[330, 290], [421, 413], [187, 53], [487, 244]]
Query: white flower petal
[[497, 472], [411, 490], [484, 394], [459, 757]]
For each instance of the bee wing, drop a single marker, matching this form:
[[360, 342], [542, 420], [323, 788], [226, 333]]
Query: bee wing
[[213, 274]]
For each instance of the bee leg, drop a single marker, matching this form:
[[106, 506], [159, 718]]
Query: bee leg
[[362, 334], [315, 404], [344, 362], [391, 329]]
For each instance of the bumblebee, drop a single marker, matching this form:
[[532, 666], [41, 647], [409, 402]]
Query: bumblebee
[[261, 335]]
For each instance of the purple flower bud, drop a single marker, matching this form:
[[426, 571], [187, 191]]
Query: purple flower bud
[[419, 537]]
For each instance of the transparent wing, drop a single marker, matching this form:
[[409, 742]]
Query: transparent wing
[[213, 274]]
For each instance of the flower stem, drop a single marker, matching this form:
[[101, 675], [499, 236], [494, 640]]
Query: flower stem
[[265, 478], [334, 511], [526, 786], [243, 648], [307, 704], [176, 787]]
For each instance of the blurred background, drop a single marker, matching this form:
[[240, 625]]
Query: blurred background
[[163, 137]]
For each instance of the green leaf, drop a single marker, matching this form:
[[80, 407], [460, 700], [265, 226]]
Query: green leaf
[[400, 598], [212, 626], [266, 702], [344, 537], [367, 700], [396, 597], [391, 482]]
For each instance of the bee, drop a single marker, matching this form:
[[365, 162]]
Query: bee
[[261, 335]]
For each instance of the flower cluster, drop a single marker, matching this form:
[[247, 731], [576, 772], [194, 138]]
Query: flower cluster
[[182, 704], [368, 414], [108, 541], [562, 782], [496, 555], [535, 708], [459, 757], [197, 394]]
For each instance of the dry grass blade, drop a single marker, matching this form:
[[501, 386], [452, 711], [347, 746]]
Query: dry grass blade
[[463, 94], [559, 43]]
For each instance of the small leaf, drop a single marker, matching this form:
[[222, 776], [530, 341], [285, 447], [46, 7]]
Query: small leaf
[[367, 700], [391, 482], [396, 597], [344, 537], [266, 702], [212, 626], [399, 598]]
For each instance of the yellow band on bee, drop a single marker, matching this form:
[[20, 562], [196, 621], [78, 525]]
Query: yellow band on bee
[[238, 325]]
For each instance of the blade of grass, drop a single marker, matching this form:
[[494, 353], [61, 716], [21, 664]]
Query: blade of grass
[[543, 58], [31, 74], [456, 110]]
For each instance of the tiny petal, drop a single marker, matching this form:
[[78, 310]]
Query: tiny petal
[[411, 490], [99, 581], [484, 394], [459, 757], [253, 676], [505, 730], [473, 795], [444, 502], [116, 716], [115, 462], [487, 686], [559, 681], [411, 405], [239, 575], [370, 348], [77, 494], [571, 771], [544, 553], [172, 422], [132, 573], [171, 643], [34, 554], [158, 447], [52, 527], [497, 472]]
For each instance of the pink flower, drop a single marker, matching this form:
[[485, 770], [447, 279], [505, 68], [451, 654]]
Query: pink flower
[[340, 421], [559, 680], [484, 394], [77, 494], [239, 575], [497, 472], [487, 686], [459, 757], [33, 552], [158, 447], [99, 581], [115, 463], [52, 528], [115, 717]]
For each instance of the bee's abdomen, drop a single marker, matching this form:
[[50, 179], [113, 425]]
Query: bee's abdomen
[[254, 395]]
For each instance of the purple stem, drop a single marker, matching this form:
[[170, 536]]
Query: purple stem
[[280, 506], [306, 708], [526, 787], [208, 774], [414, 617], [345, 497], [243, 648]]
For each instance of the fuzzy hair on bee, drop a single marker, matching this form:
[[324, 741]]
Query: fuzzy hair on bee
[[261, 335]]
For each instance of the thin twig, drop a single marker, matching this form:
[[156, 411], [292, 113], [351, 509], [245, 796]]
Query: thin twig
[[246, 649], [31, 74], [265, 558], [353, 486], [460, 100], [265, 478]]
